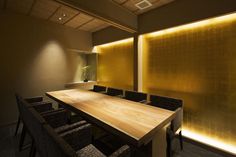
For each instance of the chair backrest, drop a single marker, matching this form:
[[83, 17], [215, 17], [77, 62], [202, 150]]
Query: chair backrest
[[97, 88], [33, 122], [135, 96], [17, 96], [114, 91], [42, 106], [165, 102], [22, 106], [57, 119], [34, 99], [55, 145], [170, 104]]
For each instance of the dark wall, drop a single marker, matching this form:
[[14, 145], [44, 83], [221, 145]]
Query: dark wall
[[181, 12], [176, 13], [35, 59], [109, 34]]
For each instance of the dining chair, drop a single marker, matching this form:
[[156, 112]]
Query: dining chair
[[58, 146], [34, 121], [36, 102], [58, 119], [176, 124], [99, 89], [32, 118], [136, 96], [114, 92]]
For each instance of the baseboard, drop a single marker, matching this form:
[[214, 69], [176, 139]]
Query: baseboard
[[208, 147]]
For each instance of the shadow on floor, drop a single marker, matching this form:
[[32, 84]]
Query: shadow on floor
[[9, 146]]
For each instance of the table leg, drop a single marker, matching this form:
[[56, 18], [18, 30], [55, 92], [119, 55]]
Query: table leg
[[159, 144]]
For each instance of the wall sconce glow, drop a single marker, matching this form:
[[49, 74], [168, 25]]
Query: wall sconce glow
[[117, 42], [203, 23], [209, 141]]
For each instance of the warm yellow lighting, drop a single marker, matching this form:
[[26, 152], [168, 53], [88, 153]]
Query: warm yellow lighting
[[190, 62], [210, 141], [115, 64], [203, 23], [117, 42], [95, 49]]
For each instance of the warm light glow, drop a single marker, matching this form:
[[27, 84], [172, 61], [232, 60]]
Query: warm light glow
[[209, 141], [115, 64], [117, 42], [140, 63], [95, 49], [203, 23], [173, 60]]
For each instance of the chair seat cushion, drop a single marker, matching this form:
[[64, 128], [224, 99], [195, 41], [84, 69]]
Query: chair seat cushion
[[89, 151]]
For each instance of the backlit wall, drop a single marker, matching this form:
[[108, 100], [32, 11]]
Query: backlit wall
[[196, 63], [115, 64]]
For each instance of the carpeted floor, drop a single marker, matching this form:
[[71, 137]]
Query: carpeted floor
[[9, 146]]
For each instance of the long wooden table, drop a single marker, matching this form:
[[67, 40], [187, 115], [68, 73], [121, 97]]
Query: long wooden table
[[136, 123]]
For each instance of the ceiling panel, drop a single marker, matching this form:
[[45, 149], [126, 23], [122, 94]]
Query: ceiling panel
[[20, 6], [64, 14], [104, 25], [55, 12], [79, 20], [119, 1], [130, 4], [94, 25], [44, 8]]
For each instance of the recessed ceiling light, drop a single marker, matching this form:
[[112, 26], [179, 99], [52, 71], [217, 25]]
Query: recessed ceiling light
[[143, 4], [64, 15], [60, 18]]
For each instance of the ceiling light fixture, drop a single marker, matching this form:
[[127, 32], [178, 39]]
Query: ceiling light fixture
[[143, 4], [63, 15]]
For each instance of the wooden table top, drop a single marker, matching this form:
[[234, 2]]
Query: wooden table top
[[134, 121]]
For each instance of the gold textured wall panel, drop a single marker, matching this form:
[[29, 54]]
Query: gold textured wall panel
[[196, 63], [115, 64]]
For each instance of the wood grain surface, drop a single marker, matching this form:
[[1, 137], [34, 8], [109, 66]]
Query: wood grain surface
[[134, 121]]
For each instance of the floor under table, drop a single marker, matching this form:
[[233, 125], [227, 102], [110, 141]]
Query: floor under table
[[9, 146]]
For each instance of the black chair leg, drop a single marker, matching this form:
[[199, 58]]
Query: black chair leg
[[17, 125], [181, 140], [34, 152], [168, 141], [22, 138], [31, 148]]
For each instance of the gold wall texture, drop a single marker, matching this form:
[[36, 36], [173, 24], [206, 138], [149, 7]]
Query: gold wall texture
[[196, 63], [115, 64]]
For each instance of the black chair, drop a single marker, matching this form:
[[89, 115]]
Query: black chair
[[58, 119], [176, 124], [32, 123], [99, 89], [114, 92], [37, 103], [58, 146], [136, 96]]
